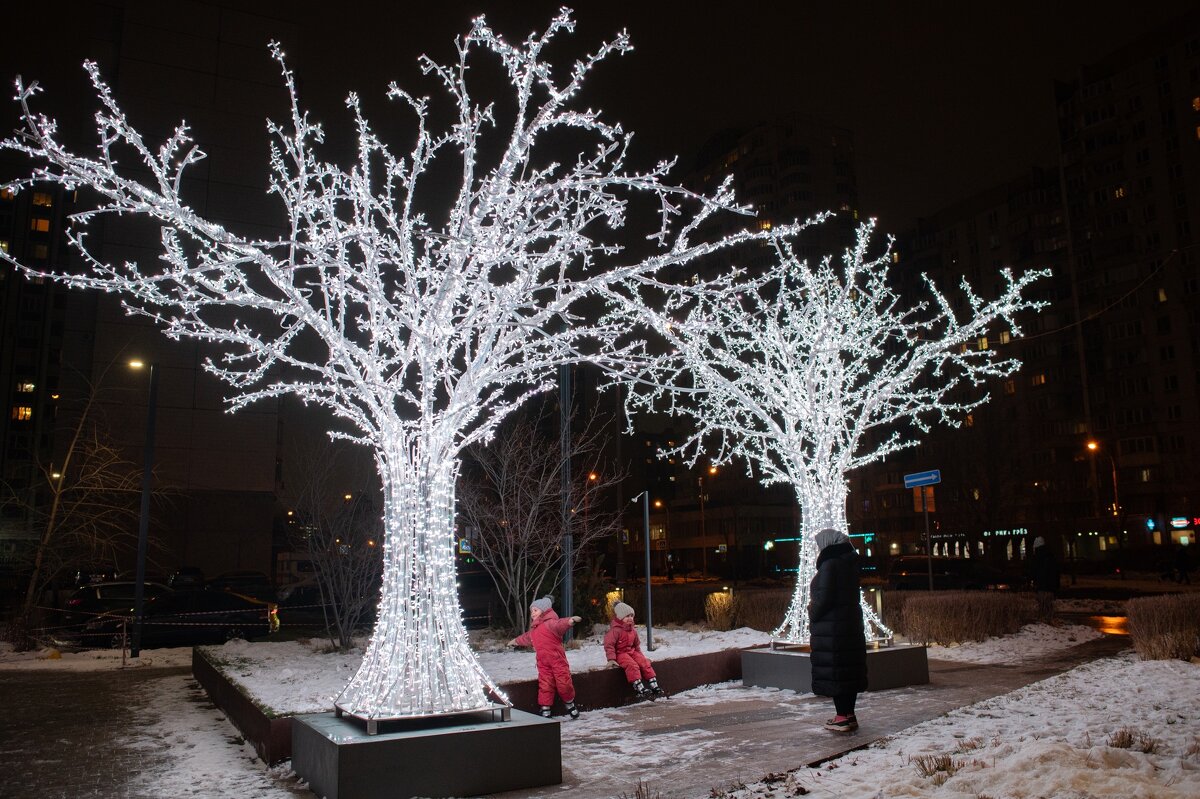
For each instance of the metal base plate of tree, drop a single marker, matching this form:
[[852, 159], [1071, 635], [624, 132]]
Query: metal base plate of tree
[[427, 333], [808, 371]]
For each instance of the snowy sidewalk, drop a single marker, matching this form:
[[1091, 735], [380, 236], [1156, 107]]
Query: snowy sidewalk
[[719, 736]]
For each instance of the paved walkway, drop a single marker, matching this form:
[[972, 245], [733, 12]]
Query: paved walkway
[[60, 732], [716, 738]]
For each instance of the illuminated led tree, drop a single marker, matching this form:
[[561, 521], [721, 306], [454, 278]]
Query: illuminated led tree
[[809, 371], [430, 322]]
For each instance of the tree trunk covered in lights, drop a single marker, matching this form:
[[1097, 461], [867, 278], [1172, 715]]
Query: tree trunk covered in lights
[[417, 657], [420, 324], [822, 506]]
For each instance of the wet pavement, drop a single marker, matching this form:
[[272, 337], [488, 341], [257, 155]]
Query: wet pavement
[[743, 734], [61, 732], [64, 735]]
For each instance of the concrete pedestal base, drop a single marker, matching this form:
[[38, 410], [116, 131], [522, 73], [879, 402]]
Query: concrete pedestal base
[[452, 756], [790, 667]]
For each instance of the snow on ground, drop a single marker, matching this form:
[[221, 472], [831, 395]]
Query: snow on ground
[[1033, 641], [1061, 738], [301, 677]]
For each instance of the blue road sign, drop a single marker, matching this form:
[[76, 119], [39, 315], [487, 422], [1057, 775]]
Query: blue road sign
[[931, 477]]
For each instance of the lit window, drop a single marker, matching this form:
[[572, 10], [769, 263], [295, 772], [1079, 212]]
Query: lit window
[[43, 199], [1162, 295], [25, 388], [1010, 386], [1005, 337], [41, 251], [764, 224], [6, 194], [3, 245], [1038, 380], [22, 413], [1118, 192], [970, 420], [1196, 103], [39, 224], [982, 343], [895, 257]]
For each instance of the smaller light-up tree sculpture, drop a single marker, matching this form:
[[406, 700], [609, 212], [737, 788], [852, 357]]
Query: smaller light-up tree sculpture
[[810, 371], [421, 312]]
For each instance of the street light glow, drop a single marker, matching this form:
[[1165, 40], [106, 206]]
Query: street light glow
[[136, 364]]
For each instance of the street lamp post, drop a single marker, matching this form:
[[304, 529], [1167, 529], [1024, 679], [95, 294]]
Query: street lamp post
[[667, 566], [712, 470], [645, 497], [139, 591], [1094, 446]]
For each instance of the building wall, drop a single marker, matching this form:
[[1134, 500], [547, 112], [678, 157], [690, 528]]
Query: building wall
[[208, 64], [1113, 357]]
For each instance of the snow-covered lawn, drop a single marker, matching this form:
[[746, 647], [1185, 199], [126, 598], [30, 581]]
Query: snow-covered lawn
[[1118, 727]]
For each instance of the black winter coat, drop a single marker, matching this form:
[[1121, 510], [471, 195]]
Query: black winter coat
[[839, 648]]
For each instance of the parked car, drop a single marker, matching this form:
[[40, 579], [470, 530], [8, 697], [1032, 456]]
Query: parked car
[[186, 618], [186, 578], [911, 572], [92, 600], [248, 583], [475, 594], [302, 604]]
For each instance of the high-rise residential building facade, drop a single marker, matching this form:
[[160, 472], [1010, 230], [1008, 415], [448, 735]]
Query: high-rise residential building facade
[[1093, 443], [207, 64]]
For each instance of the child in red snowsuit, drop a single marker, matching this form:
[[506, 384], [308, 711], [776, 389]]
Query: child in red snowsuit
[[624, 650], [545, 635]]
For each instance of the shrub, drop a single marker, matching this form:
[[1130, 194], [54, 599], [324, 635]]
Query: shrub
[[953, 617], [678, 604], [1126, 738], [1165, 627], [760, 610], [718, 610]]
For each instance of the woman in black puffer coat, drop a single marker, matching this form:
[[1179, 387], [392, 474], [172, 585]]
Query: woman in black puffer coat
[[839, 647]]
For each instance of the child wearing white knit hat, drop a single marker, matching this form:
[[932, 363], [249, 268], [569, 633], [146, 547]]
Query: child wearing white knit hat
[[624, 650]]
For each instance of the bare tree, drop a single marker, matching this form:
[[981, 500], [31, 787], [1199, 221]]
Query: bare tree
[[86, 510], [510, 506], [421, 312], [336, 522]]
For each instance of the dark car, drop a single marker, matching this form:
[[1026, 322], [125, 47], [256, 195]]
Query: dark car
[[248, 583], [186, 578], [302, 604], [911, 572], [186, 618], [476, 591], [92, 600]]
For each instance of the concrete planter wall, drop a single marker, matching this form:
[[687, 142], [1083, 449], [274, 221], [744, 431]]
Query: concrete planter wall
[[272, 737]]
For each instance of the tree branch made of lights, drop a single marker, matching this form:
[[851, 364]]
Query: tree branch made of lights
[[808, 371], [429, 327]]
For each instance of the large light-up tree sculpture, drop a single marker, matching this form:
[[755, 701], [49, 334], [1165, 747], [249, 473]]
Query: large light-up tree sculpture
[[809, 371], [429, 322]]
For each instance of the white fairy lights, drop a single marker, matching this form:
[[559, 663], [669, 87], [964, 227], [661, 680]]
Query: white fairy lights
[[809, 371], [431, 331]]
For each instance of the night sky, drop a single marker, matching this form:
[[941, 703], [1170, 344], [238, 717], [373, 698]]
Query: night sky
[[944, 99]]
